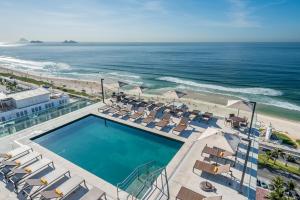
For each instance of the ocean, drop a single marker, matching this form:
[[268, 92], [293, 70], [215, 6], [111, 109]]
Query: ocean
[[268, 73]]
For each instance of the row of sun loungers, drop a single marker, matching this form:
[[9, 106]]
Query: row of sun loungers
[[127, 110], [23, 167], [208, 167]]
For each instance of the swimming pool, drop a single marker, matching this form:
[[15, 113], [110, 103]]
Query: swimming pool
[[108, 149]]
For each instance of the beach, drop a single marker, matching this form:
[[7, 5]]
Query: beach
[[195, 100]]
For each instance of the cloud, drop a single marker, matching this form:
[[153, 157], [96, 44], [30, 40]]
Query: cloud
[[154, 6], [240, 14]]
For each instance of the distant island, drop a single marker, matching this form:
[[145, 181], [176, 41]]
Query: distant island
[[69, 41], [36, 41], [23, 40]]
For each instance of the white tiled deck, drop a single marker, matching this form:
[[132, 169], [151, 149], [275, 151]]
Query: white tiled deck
[[179, 169]]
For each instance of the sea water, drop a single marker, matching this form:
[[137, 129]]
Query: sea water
[[268, 73]]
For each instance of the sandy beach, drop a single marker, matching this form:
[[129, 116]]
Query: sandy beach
[[200, 101]]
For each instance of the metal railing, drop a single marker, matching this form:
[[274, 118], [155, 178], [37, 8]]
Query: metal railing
[[135, 175], [144, 179]]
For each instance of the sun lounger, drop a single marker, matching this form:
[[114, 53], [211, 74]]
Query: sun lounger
[[19, 174], [104, 108], [182, 125], [14, 153], [150, 118], [124, 111], [32, 185], [211, 168], [194, 115], [187, 194], [163, 122], [207, 116], [137, 114], [211, 151], [94, 194], [63, 190], [24, 160]]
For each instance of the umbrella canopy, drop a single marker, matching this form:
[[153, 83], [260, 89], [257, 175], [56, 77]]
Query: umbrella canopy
[[116, 86], [213, 137], [138, 90], [174, 94], [240, 105]]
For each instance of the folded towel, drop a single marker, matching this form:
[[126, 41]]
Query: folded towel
[[44, 181], [8, 155], [28, 170], [17, 162], [58, 192], [222, 154], [216, 169]]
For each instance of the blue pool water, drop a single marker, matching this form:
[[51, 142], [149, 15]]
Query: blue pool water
[[108, 149]]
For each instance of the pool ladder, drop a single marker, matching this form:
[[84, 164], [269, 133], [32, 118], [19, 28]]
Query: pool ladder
[[140, 180]]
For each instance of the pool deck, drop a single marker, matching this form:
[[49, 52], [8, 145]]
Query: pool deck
[[179, 169]]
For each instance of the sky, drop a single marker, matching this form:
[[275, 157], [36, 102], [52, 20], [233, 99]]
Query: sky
[[151, 20]]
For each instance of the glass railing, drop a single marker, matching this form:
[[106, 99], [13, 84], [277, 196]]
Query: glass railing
[[134, 184], [13, 126]]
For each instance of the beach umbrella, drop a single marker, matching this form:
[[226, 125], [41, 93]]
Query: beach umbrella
[[138, 90], [240, 105], [174, 94], [116, 86], [214, 137]]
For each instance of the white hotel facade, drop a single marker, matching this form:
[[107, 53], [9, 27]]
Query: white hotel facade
[[29, 102]]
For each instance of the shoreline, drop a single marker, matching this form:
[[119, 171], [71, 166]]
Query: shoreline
[[199, 101]]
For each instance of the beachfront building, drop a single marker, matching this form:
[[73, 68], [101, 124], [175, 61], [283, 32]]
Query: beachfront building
[[29, 102]]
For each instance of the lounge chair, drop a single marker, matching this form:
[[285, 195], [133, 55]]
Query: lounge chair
[[124, 111], [63, 190], [32, 185], [211, 168], [235, 124], [150, 118], [138, 114], [15, 153], [207, 116], [182, 125], [20, 174], [194, 115], [210, 151], [113, 110], [164, 121], [8, 166], [104, 108], [94, 194], [187, 194]]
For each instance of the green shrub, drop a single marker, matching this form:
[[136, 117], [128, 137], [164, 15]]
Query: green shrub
[[285, 139]]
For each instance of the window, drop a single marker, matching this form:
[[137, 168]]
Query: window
[[22, 113], [18, 114], [3, 119], [52, 104], [40, 107], [25, 112], [36, 109], [46, 106], [32, 110]]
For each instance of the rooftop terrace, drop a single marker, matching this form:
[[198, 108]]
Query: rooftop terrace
[[180, 169]]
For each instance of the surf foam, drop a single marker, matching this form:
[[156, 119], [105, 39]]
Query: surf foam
[[32, 65], [252, 90]]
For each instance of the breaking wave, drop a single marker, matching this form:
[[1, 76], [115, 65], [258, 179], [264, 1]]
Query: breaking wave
[[16, 63], [211, 87]]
